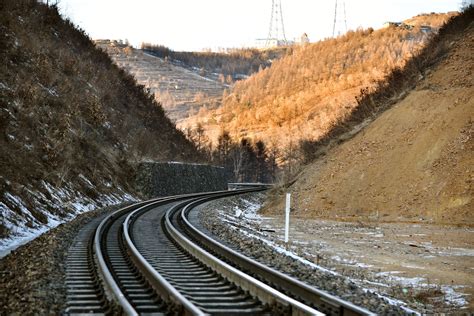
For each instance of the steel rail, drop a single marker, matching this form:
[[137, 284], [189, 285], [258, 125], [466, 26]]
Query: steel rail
[[297, 296], [109, 282], [257, 288], [311, 295], [231, 271], [114, 291], [157, 281], [166, 291]]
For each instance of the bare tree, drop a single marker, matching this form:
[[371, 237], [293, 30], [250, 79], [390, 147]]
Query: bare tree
[[237, 157], [200, 137]]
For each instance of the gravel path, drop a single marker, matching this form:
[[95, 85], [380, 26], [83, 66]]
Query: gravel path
[[33, 276], [213, 216]]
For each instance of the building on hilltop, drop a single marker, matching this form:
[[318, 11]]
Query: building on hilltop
[[262, 43], [117, 43], [423, 28], [391, 24], [304, 39]]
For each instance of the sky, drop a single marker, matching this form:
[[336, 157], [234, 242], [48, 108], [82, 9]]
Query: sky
[[193, 25]]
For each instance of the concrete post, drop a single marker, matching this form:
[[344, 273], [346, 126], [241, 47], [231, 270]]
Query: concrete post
[[287, 217]]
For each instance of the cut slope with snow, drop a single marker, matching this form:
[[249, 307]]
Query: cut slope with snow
[[72, 124]]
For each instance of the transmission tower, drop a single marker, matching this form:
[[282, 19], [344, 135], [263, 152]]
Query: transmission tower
[[337, 18], [276, 24]]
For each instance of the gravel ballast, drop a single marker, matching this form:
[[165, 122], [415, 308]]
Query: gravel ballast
[[213, 219], [33, 275]]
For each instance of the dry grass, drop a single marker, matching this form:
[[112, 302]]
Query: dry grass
[[67, 110]]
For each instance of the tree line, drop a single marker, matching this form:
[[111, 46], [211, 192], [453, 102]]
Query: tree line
[[231, 63], [244, 160]]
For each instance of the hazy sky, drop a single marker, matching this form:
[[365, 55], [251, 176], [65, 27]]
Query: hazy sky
[[198, 24]]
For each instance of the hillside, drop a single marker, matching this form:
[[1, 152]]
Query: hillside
[[229, 65], [72, 123], [414, 163], [187, 83], [181, 91], [306, 93]]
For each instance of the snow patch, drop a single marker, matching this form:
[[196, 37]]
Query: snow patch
[[51, 91], [23, 227], [394, 302], [3, 86], [288, 253], [87, 181], [452, 297], [282, 250]]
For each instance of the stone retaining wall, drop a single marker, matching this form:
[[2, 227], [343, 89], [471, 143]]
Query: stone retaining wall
[[170, 178]]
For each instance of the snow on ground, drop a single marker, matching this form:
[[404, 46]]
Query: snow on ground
[[63, 205], [288, 253], [245, 219], [21, 234]]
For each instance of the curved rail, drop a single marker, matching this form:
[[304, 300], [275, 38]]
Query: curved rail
[[157, 281], [113, 289], [261, 290], [108, 279], [167, 292], [324, 301]]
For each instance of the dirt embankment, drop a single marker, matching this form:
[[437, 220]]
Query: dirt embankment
[[413, 163]]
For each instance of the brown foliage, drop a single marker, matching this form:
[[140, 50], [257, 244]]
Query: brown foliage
[[318, 88], [229, 64], [66, 109]]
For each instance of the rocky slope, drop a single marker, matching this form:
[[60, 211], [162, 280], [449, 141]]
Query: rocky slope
[[71, 123], [414, 162]]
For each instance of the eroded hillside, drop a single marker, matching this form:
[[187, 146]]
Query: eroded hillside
[[71, 122], [414, 162]]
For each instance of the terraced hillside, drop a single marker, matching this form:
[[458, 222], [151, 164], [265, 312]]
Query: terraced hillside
[[180, 91]]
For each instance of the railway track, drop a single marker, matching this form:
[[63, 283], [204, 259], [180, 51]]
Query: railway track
[[149, 259]]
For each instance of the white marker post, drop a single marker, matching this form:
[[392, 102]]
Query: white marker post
[[287, 217]]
